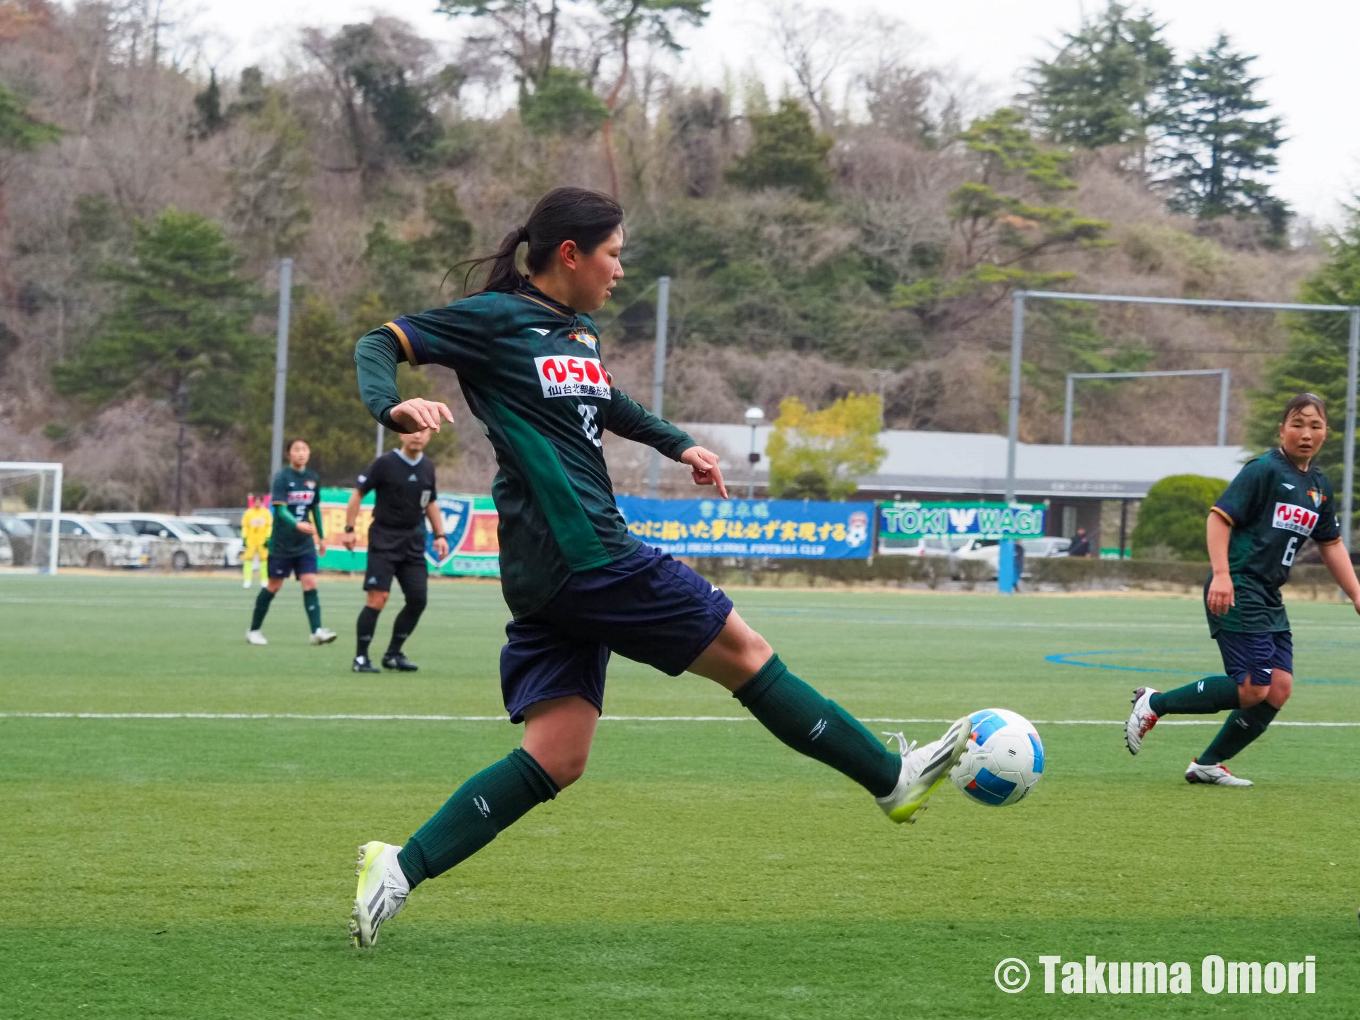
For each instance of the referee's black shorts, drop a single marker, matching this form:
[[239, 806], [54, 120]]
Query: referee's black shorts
[[399, 555]]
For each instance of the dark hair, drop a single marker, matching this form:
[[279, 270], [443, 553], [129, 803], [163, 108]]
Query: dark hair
[[1300, 402], [294, 441], [563, 214]]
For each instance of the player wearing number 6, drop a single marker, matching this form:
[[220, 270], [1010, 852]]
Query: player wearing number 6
[[1274, 504], [578, 585]]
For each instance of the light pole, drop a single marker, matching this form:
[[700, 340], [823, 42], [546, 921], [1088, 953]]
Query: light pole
[[754, 416]]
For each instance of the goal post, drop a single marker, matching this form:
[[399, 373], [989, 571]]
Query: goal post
[[30, 513]]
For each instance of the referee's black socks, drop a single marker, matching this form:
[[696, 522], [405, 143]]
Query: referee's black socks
[[368, 623]]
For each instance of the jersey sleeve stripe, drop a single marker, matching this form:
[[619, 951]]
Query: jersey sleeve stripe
[[1224, 514], [409, 337]]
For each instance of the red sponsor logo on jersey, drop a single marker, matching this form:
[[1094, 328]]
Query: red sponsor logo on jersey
[[1292, 517], [572, 377]]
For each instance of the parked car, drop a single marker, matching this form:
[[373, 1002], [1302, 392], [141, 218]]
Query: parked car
[[988, 550], [219, 527], [931, 546], [86, 541], [17, 536], [184, 546]]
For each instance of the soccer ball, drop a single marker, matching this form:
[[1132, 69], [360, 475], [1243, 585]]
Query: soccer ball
[[1003, 761]]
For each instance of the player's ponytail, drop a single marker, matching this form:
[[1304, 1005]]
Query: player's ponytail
[[563, 214]]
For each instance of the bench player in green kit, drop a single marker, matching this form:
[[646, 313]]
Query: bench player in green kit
[[1277, 502], [578, 585]]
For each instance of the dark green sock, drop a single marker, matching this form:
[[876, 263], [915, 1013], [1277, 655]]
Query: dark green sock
[[312, 601], [1240, 729], [1201, 697], [262, 601], [492, 800], [818, 728]]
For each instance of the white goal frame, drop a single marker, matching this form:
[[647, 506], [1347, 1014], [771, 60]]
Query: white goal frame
[[53, 514]]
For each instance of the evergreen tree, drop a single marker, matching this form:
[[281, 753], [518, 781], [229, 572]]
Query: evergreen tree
[[1003, 221], [1218, 151], [179, 332], [1107, 84], [785, 152], [210, 119], [20, 131], [1315, 360]]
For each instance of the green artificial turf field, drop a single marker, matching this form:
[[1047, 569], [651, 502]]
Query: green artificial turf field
[[203, 867]]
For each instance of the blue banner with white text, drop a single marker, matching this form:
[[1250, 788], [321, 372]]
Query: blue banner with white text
[[751, 527]]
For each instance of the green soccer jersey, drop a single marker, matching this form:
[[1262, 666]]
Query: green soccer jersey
[[532, 373], [294, 495], [1272, 507]]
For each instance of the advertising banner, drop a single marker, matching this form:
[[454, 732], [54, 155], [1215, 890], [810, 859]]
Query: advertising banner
[[751, 527], [906, 521], [469, 523]]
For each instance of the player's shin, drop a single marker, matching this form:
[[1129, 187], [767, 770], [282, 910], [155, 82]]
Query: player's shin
[[262, 601], [489, 802], [1200, 697], [1240, 728], [818, 728], [311, 600]]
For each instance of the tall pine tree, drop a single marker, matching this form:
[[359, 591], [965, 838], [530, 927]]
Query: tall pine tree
[[1107, 85], [1218, 150], [179, 333]]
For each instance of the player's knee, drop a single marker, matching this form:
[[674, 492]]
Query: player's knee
[[1249, 694], [566, 767], [1281, 687], [377, 599], [416, 603], [756, 651]]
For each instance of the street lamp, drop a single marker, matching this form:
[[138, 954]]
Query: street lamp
[[754, 416]]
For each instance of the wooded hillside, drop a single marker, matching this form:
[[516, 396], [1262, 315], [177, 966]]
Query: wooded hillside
[[818, 244]]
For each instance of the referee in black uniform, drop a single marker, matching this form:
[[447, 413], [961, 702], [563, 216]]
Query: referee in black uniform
[[403, 481]]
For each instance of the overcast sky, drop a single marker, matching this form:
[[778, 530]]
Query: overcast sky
[[1307, 51]]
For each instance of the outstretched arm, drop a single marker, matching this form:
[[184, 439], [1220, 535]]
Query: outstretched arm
[[1338, 562], [629, 419], [377, 355]]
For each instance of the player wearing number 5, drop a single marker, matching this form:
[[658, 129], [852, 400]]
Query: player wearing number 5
[[404, 487], [1274, 504]]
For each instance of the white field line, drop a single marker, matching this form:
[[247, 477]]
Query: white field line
[[344, 717]]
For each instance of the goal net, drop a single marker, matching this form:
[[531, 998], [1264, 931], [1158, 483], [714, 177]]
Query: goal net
[[30, 513]]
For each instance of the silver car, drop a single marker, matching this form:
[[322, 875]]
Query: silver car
[[86, 541], [182, 545]]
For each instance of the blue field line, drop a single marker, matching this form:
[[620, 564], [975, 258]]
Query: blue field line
[[1069, 659]]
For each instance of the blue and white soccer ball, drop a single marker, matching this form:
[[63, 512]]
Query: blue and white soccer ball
[[1004, 759]]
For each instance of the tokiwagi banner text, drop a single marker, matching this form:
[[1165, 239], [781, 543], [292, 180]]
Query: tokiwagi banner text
[[982, 520], [470, 524], [751, 527]]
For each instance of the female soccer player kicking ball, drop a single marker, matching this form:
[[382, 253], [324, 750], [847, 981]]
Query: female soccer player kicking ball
[[577, 583], [1254, 531]]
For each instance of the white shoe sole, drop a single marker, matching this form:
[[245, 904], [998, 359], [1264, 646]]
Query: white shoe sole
[[952, 745], [362, 931]]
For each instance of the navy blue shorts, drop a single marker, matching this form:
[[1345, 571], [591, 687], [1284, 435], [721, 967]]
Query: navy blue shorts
[[282, 566], [1256, 655], [646, 606]]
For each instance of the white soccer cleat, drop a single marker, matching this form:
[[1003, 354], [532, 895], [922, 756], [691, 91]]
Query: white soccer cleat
[[322, 636], [1213, 775], [923, 769], [246, 584], [1141, 719], [255, 637], [381, 894]]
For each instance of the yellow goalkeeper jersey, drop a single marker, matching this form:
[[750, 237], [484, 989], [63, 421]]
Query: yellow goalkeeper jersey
[[256, 525]]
